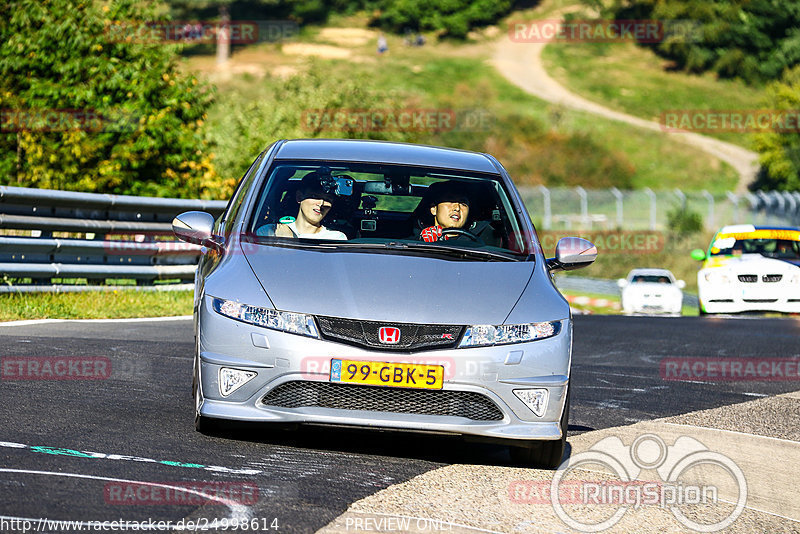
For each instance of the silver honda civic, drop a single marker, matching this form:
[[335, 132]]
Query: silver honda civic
[[383, 285]]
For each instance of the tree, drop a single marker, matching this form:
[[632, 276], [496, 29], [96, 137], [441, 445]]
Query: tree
[[754, 40], [94, 101], [779, 151]]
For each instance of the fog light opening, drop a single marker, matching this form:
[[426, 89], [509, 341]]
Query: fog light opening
[[535, 399], [232, 379]]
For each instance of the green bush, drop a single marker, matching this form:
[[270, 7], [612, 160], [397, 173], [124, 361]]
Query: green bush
[[455, 18], [683, 222], [754, 40], [58, 58]]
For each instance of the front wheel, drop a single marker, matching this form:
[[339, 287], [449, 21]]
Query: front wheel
[[544, 454]]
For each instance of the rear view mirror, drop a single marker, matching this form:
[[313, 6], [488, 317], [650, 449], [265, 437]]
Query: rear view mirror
[[622, 283], [698, 254], [681, 284], [343, 186], [195, 227], [572, 253]]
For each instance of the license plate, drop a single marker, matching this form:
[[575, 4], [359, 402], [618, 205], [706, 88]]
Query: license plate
[[399, 375]]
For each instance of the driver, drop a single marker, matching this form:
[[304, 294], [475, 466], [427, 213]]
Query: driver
[[449, 205]]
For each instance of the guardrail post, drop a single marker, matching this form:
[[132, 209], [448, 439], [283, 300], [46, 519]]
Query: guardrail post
[[618, 195], [584, 206], [710, 199], [682, 197], [652, 207], [791, 205], [735, 200], [548, 214]]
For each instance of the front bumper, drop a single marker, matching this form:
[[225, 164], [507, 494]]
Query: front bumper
[[280, 358], [738, 297]]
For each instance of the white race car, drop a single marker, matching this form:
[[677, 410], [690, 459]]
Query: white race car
[[750, 268], [651, 291]]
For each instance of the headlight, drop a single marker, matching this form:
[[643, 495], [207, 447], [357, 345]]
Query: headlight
[[482, 335], [294, 323], [717, 277]]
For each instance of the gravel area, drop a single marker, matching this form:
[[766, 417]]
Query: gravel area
[[469, 498], [774, 417], [480, 498]]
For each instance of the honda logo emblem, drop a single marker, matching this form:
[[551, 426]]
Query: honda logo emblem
[[389, 335]]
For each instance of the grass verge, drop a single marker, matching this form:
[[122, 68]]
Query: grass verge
[[632, 79], [117, 304]]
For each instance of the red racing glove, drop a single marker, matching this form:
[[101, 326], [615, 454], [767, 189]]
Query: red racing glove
[[431, 234]]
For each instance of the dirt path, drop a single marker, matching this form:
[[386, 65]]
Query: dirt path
[[521, 64]]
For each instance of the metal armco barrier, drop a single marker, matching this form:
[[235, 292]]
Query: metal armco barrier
[[49, 234]]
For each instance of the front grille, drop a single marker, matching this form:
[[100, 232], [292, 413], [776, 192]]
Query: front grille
[[298, 394], [412, 336], [748, 278], [760, 300], [771, 278]]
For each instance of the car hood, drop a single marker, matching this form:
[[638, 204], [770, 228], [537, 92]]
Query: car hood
[[750, 262], [389, 287]]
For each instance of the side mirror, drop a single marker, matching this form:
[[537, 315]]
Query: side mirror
[[698, 254], [681, 284], [196, 227], [622, 283], [572, 253]]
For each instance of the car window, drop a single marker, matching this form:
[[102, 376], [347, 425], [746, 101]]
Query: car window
[[235, 204], [373, 204], [732, 245], [650, 278]]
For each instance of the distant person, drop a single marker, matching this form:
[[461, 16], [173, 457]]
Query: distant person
[[383, 46], [315, 203]]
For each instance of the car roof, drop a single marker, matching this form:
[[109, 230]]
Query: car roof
[[743, 228], [369, 151]]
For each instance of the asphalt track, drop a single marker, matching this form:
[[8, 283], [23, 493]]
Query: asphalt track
[[60, 437]]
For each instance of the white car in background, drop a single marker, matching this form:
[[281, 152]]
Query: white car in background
[[651, 291], [750, 269]]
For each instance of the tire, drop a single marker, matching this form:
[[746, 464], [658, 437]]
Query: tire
[[544, 454]]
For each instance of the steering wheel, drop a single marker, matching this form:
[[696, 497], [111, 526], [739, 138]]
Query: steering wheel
[[459, 231]]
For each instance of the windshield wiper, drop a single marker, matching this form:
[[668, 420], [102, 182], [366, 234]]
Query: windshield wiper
[[437, 250], [426, 248]]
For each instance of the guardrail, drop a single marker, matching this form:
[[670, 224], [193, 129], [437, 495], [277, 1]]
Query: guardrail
[[49, 236]]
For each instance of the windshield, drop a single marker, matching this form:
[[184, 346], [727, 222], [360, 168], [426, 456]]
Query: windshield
[[784, 245], [651, 279], [356, 205]]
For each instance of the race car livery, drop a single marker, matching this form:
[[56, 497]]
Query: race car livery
[[750, 268]]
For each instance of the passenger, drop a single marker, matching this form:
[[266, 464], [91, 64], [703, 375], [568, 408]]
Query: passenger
[[315, 204], [449, 205]]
